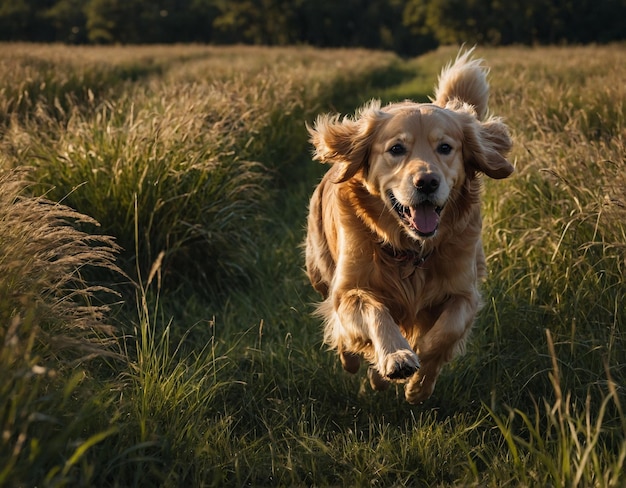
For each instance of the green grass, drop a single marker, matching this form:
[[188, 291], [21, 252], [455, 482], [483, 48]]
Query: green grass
[[195, 161]]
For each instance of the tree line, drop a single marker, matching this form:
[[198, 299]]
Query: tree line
[[405, 26]]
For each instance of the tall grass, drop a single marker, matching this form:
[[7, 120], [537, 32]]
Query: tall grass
[[53, 321], [559, 255], [563, 253], [51, 79], [194, 200], [569, 441], [198, 165], [43, 257], [195, 154]]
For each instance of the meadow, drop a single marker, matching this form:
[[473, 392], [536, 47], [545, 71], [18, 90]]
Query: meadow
[[155, 318]]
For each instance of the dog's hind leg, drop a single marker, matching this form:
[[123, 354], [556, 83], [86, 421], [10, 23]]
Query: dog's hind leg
[[350, 361], [377, 382]]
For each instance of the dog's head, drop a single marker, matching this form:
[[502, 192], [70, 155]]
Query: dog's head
[[418, 157]]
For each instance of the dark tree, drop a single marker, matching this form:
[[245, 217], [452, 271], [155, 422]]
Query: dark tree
[[406, 26]]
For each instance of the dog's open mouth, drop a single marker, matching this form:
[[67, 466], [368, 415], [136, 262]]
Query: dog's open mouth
[[422, 218]]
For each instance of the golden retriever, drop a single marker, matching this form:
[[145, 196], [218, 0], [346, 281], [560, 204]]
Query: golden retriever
[[394, 228]]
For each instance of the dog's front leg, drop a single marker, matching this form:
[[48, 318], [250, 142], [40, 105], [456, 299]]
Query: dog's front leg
[[441, 343], [363, 325]]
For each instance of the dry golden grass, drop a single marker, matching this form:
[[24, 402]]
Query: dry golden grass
[[170, 163], [43, 257]]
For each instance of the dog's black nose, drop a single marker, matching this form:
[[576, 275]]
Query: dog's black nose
[[427, 183]]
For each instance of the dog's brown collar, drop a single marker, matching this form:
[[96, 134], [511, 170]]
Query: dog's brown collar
[[403, 256]]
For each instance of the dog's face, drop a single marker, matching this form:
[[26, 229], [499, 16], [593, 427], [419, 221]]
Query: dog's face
[[415, 157], [416, 162]]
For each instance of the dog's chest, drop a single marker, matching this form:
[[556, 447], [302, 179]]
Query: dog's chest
[[406, 289]]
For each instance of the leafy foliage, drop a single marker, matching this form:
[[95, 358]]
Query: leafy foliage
[[410, 27]]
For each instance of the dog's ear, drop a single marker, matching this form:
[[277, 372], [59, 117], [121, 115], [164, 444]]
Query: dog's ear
[[486, 146], [346, 141]]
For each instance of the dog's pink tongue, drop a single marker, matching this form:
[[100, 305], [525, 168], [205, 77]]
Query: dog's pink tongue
[[425, 218]]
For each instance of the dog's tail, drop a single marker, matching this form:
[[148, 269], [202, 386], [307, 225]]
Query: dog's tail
[[465, 81]]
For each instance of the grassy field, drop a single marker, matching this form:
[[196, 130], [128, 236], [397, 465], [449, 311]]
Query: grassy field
[[156, 323]]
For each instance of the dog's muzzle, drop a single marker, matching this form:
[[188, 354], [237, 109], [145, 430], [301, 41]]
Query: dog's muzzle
[[423, 218]]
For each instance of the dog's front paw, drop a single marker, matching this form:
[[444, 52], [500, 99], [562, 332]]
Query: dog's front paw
[[399, 365]]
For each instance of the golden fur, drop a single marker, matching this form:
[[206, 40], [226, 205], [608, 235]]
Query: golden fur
[[394, 227]]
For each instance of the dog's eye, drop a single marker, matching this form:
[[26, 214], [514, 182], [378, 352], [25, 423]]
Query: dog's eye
[[397, 150], [444, 148]]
